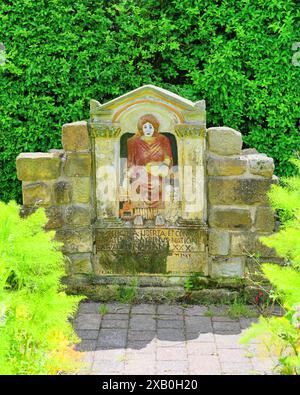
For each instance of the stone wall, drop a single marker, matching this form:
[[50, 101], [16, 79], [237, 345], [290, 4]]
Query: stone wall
[[238, 211], [237, 182], [60, 181]]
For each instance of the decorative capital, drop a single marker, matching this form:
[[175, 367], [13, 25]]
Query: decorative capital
[[189, 130], [105, 130]]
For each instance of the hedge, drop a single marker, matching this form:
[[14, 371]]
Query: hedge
[[235, 54]]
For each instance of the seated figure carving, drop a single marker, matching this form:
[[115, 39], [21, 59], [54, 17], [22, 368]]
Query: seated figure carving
[[149, 163]]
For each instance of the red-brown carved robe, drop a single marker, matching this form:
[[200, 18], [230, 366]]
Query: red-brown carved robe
[[147, 187]]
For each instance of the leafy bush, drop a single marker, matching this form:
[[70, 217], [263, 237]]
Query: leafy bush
[[235, 54], [282, 334], [127, 293], [35, 334]]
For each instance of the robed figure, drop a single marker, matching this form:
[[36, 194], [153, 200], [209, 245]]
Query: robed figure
[[149, 164]]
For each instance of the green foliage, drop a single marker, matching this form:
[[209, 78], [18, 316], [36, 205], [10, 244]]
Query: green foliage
[[35, 334], [127, 293], [237, 55], [209, 313], [194, 282], [103, 309], [286, 199], [239, 309], [282, 334]]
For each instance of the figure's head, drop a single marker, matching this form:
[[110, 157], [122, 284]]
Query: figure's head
[[148, 125], [148, 129]]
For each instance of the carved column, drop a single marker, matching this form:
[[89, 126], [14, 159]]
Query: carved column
[[106, 160], [192, 171]]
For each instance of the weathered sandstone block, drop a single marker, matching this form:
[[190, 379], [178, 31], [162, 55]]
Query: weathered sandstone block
[[55, 217], [75, 136], [228, 267], [264, 219], [230, 218], [38, 166], [75, 240], [239, 190], [249, 151], [80, 263], [261, 165], [37, 194], [25, 211], [226, 166], [248, 243], [218, 243], [224, 141], [81, 189], [78, 164], [62, 191], [78, 215]]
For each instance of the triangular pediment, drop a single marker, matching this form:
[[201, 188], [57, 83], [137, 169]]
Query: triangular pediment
[[147, 92]]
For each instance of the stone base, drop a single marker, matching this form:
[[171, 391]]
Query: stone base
[[162, 289]]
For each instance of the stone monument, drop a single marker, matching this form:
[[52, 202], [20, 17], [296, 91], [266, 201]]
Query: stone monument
[[144, 189]]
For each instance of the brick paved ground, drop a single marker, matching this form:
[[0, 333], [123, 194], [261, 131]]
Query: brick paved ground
[[165, 339]]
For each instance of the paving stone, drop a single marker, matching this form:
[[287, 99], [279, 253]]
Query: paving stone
[[172, 372], [140, 335], [201, 348], [169, 317], [143, 309], [256, 349], [112, 338], [87, 334], [195, 311], [201, 324], [86, 345], [170, 324], [120, 373], [169, 309], [87, 369], [203, 364], [171, 354], [196, 337], [141, 346], [163, 367], [133, 355], [228, 340], [170, 344], [263, 365], [114, 324], [88, 321], [233, 327], [136, 369], [140, 365], [237, 368], [232, 355], [118, 308], [138, 345], [246, 322], [206, 370], [108, 366], [142, 322], [113, 354], [224, 319], [88, 357], [116, 316], [170, 334], [89, 307]]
